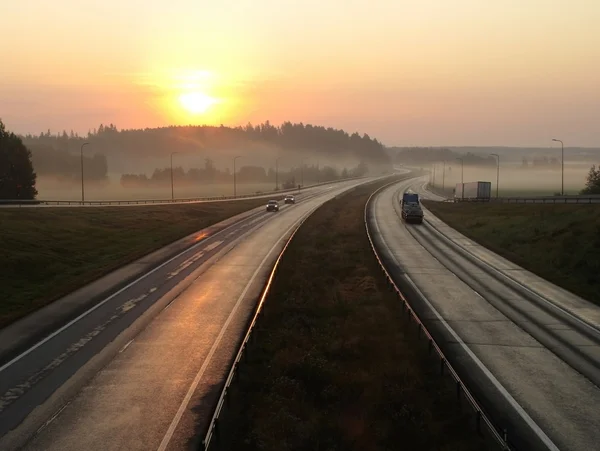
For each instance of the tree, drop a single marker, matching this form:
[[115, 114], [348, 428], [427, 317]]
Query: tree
[[17, 177], [592, 185]]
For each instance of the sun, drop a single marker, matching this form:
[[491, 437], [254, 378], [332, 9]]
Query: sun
[[196, 102]]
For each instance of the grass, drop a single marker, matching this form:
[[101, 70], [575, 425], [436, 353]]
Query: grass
[[560, 243], [333, 366], [49, 252]]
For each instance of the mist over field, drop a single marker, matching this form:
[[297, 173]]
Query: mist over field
[[523, 171], [138, 164]]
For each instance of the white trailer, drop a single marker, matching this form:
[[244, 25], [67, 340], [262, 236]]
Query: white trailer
[[473, 191]]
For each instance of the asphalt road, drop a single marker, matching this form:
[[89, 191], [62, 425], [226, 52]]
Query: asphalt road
[[528, 350], [143, 369]]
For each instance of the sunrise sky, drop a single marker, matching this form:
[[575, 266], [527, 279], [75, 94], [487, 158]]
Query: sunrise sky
[[445, 72]]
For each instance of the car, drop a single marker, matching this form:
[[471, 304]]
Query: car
[[289, 199], [272, 205]]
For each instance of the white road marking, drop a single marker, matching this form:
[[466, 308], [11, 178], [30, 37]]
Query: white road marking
[[490, 376], [212, 246], [101, 303], [213, 349], [126, 346]]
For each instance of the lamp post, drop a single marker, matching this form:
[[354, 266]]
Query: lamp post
[[434, 165], [302, 172], [562, 153], [444, 176], [82, 190], [497, 173], [234, 181], [462, 177], [277, 173], [172, 189]]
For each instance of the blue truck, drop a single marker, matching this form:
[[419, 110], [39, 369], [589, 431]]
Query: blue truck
[[411, 208]]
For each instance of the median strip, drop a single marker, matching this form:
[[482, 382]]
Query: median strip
[[331, 364]]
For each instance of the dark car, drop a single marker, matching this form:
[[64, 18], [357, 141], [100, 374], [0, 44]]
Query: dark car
[[272, 205], [289, 199]]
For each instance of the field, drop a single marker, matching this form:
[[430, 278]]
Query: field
[[515, 181], [560, 243], [112, 190], [333, 365], [49, 252]]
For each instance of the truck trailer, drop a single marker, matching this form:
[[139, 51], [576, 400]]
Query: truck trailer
[[473, 191]]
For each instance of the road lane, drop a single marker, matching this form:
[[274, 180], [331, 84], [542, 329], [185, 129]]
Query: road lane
[[131, 403], [557, 398]]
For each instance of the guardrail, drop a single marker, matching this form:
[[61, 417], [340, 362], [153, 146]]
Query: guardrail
[[483, 425], [213, 428], [535, 200], [25, 202], [567, 199]]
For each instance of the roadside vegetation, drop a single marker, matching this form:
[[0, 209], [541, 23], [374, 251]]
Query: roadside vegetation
[[560, 243], [333, 366], [49, 252]]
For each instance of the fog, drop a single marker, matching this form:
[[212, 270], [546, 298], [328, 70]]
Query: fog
[[139, 164], [515, 180]]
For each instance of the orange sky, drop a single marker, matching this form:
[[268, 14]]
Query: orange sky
[[459, 72]]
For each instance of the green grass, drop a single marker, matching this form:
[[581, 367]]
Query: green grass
[[49, 252], [334, 366], [560, 243]]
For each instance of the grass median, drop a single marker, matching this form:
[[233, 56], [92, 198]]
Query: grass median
[[49, 252], [560, 243], [333, 365]]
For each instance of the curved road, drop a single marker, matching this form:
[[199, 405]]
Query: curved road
[[529, 351], [143, 368]]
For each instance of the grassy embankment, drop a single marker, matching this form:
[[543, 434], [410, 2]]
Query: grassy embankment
[[333, 365], [560, 243], [49, 252]]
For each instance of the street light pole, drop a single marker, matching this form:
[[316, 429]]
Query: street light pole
[[497, 173], [172, 189], [234, 181], [277, 173], [562, 152], [302, 172], [82, 190], [444, 176], [462, 177], [434, 165]]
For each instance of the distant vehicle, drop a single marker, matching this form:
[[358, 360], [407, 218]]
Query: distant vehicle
[[272, 205], [289, 199], [473, 191]]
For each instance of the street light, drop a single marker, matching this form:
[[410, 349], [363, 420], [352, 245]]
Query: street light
[[82, 191], [234, 181], [462, 177], [302, 160], [172, 190], [277, 173], [497, 173], [444, 176], [562, 152], [434, 165]]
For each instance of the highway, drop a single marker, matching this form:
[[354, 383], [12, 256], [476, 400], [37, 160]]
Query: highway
[[140, 202], [142, 369], [528, 350]]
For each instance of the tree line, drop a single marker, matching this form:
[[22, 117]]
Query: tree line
[[58, 155], [245, 174], [112, 143], [428, 155]]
